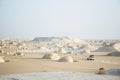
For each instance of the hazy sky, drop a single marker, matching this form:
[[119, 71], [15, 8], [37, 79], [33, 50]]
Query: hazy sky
[[85, 19]]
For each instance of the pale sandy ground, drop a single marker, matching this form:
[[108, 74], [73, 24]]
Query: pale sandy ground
[[58, 76], [33, 63]]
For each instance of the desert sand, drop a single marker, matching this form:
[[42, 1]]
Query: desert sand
[[58, 76], [33, 62]]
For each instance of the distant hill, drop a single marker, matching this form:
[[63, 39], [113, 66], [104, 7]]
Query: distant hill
[[48, 38]]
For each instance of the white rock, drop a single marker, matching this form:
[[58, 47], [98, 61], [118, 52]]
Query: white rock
[[117, 46], [19, 54], [66, 59], [61, 50], [52, 56], [1, 59]]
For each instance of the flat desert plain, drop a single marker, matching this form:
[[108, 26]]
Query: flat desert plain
[[33, 62]]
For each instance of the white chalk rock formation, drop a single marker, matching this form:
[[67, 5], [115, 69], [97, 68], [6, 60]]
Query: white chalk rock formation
[[52, 56], [1, 59], [116, 46], [87, 51], [66, 59], [61, 50], [13, 43], [87, 48], [19, 54]]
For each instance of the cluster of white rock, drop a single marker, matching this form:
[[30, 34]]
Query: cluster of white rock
[[116, 46], [56, 57], [58, 45], [66, 59], [52, 56], [116, 52], [74, 46], [10, 47], [111, 46], [1, 59], [64, 45]]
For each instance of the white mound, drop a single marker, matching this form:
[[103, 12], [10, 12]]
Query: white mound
[[104, 49], [21, 44], [114, 54], [66, 59], [61, 50], [116, 46], [87, 51], [1, 59], [114, 71], [88, 48], [53, 56], [19, 54]]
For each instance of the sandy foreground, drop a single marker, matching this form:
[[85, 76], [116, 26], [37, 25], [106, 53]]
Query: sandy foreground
[[22, 67], [58, 76]]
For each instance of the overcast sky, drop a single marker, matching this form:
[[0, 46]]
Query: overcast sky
[[85, 19]]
